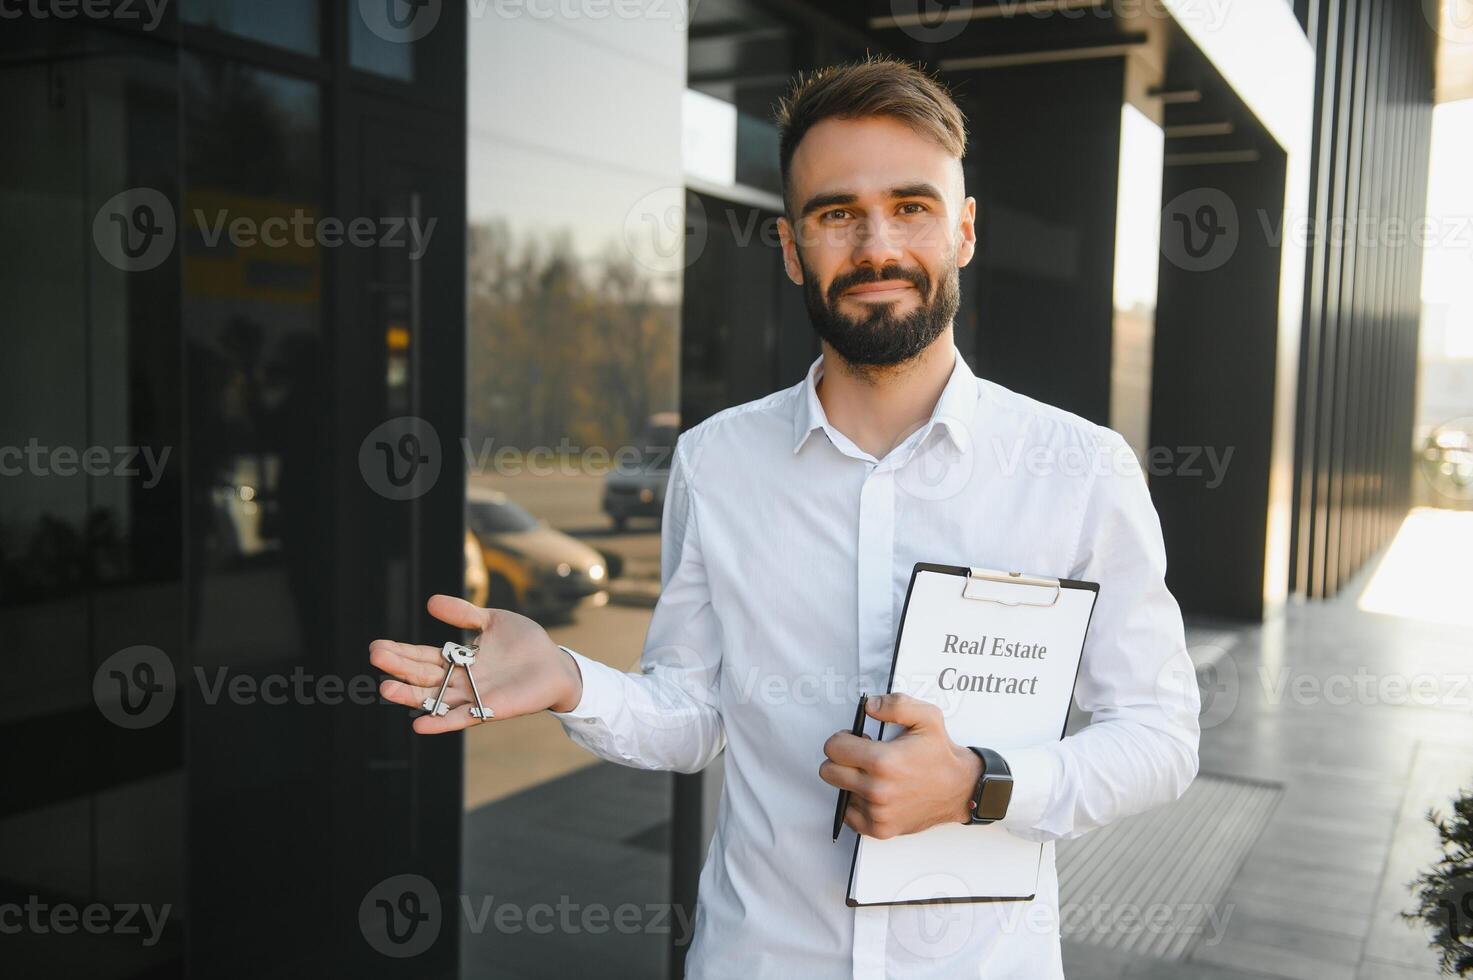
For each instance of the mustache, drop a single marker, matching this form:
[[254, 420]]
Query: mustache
[[916, 277]]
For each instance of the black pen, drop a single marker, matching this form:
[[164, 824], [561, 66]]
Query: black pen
[[844, 793]]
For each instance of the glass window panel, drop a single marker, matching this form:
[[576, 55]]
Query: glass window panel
[[574, 305], [383, 47], [1137, 256], [291, 24]]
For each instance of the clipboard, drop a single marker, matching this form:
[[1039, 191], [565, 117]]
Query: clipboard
[[969, 640]]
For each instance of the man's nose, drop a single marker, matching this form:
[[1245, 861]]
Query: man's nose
[[879, 243]]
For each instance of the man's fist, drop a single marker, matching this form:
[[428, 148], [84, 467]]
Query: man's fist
[[903, 786]]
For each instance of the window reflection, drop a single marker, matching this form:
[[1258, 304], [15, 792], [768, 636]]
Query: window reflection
[[573, 307], [290, 24], [89, 472], [1137, 256], [252, 319]]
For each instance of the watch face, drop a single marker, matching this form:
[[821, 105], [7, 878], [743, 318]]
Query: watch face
[[996, 794]]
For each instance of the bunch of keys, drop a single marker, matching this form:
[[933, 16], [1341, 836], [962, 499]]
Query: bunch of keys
[[458, 655]]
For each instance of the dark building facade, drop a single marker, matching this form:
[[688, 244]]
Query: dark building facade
[[199, 343]]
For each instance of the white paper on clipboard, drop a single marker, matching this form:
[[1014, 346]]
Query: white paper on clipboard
[[999, 653]]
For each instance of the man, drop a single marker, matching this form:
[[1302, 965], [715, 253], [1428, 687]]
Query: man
[[791, 525]]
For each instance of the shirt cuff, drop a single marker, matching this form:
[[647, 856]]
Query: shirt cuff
[[600, 690], [1035, 774]]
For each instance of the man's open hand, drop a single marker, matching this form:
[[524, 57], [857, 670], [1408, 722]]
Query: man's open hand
[[902, 786], [518, 668]]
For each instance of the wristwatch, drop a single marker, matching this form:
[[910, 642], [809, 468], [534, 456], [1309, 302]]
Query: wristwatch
[[994, 788]]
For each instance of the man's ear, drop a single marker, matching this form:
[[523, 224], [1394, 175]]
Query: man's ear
[[968, 246], [790, 251]]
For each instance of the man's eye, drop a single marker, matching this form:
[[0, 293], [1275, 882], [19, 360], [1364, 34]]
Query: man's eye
[[828, 214], [913, 204]]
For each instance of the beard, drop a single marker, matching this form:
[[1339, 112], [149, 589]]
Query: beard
[[881, 337]]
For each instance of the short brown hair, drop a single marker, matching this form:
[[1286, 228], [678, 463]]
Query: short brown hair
[[880, 85]]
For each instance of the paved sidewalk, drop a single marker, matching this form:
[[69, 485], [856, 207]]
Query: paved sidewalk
[[1337, 704]]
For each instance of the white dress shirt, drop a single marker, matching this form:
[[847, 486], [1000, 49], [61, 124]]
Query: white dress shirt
[[787, 552]]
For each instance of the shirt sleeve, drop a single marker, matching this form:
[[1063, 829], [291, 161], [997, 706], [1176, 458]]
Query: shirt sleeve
[[1136, 679], [666, 715]]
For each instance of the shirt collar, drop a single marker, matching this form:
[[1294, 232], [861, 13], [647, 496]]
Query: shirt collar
[[954, 409]]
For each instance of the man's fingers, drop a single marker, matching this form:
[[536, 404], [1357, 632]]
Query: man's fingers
[[902, 709], [857, 817], [457, 612], [413, 697], [457, 719], [414, 651], [851, 750], [845, 777], [408, 663]]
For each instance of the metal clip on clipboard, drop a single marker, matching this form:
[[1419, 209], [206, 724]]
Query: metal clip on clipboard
[[1010, 588]]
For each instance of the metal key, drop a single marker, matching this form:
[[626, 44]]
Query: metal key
[[458, 655]]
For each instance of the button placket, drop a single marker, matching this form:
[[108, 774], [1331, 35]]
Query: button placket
[[876, 553]]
